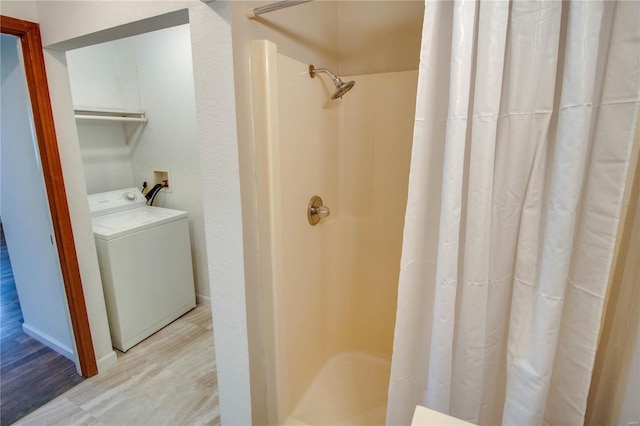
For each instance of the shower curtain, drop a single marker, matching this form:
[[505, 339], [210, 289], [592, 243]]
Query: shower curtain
[[524, 126]]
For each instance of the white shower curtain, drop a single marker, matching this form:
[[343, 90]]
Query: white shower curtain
[[524, 125]]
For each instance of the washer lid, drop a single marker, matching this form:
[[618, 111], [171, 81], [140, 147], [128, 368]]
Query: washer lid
[[111, 226], [115, 201]]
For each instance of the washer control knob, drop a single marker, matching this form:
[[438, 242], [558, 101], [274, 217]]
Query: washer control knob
[[129, 196]]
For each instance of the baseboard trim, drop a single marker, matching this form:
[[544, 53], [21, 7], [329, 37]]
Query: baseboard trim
[[107, 361], [203, 300], [49, 341]]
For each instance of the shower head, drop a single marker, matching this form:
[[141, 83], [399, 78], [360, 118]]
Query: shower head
[[341, 86]]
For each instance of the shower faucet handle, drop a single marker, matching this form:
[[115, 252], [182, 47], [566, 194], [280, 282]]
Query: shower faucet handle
[[317, 210], [323, 212]]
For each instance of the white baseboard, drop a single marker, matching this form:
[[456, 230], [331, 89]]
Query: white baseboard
[[49, 341], [106, 361], [203, 300]]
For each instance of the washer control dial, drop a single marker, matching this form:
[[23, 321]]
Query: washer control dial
[[130, 196]]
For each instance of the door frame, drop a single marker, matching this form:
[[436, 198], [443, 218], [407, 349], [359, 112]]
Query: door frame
[[32, 52]]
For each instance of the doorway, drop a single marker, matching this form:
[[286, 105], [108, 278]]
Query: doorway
[[37, 358], [134, 103]]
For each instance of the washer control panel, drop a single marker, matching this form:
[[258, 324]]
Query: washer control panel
[[115, 201]]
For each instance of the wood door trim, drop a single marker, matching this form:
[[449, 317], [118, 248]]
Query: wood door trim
[[29, 34]]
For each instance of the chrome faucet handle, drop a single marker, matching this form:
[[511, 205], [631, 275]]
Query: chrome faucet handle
[[323, 212], [317, 210]]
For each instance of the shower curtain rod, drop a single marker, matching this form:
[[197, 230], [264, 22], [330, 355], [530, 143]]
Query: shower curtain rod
[[253, 13]]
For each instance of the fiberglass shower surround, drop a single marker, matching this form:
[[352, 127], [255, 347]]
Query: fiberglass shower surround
[[331, 288]]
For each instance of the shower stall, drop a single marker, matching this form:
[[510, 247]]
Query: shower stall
[[331, 290]]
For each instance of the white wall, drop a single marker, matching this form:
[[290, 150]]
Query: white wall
[[106, 156], [25, 213], [169, 140], [76, 24], [70, 159], [25, 10], [223, 215], [22, 10], [104, 77]]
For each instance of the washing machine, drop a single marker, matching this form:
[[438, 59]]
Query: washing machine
[[145, 263]]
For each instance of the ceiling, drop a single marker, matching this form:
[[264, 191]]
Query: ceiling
[[379, 36]]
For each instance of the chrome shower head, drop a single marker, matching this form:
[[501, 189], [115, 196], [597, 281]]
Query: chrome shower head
[[341, 86]]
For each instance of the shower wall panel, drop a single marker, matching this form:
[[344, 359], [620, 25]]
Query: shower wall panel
[[308, 147], [377, 119]]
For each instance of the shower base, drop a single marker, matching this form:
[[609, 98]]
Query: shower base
[[350, 389]]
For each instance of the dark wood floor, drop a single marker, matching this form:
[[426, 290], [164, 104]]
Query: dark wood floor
[[31, 374]]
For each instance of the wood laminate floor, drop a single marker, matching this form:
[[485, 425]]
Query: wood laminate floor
[[168, 379], [31, 374]]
